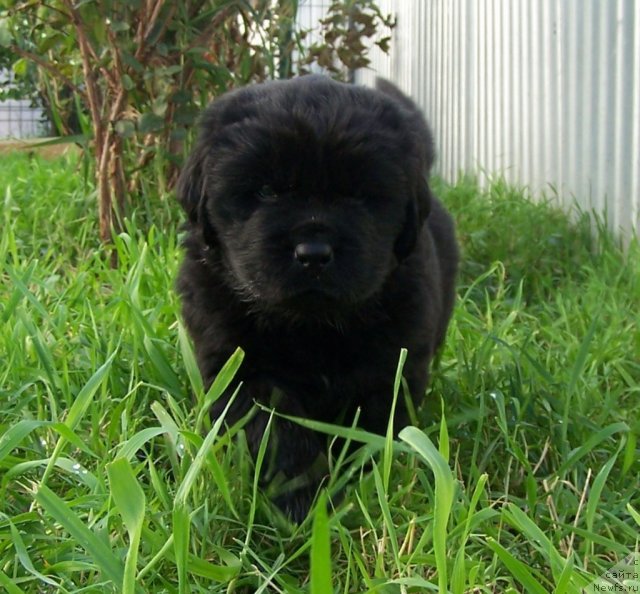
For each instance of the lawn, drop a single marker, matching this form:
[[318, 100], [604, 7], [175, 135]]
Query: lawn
[[522, 477]]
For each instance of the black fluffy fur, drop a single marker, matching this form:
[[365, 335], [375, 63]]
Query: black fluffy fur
[[305, 161]]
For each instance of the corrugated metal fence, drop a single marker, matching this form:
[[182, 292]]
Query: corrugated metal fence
[[546, 93], [17, 118]]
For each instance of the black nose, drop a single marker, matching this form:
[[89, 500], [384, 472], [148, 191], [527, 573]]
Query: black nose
[[314, 254]]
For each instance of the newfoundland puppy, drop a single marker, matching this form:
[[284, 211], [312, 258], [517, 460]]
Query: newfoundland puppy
[[315, 244]]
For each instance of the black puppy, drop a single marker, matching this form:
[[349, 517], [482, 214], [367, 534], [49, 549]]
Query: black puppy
[[315, 244]]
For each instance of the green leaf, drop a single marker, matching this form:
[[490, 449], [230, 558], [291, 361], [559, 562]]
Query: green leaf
[[125, 128], [150, 122], [129, 499], [98, 549], [131, 61], [127, 82], [219, 573], [382, 491], [75, 139], [576, 371], [50, 42], [6, 39], [20, 67], [221, 383], [119, 26], [377, 442], [181, 530], [517, 568], [14, 436], [536, 536], [23, 556], [388, 445], [67, 464], [129, 448], [320, 573], [591, 443], [44, 353], [596, 490], [563, 580], [459, 575], [86, 394], [161, 363], [634, 514], [198, 461], [127, 494], [444, 492], [189, 361], [78, 409], [9, 584], [181, 520]]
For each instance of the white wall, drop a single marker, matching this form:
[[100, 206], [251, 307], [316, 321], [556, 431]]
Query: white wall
[[546, 92]]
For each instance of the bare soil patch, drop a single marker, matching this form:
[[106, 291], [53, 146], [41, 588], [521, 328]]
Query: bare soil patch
[[38, 146]]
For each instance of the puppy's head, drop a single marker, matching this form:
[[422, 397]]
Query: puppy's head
[[309, 191]]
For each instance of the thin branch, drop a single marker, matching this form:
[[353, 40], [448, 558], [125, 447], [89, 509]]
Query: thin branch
[[208, 31], [93, 95], [139, 55], [154, 17], [138, 38], [47, 66]]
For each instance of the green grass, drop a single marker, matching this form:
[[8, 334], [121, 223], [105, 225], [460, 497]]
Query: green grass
[[523, 476]]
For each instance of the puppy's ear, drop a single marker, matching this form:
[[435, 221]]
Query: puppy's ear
[[422, 155], [389, 89], [190, 187], [191, 192], [416, 212]]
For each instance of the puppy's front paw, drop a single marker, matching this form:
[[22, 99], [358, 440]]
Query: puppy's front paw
[[292, 478], [296, 504]]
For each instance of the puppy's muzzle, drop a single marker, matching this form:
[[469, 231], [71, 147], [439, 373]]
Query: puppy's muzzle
[[313, 255]]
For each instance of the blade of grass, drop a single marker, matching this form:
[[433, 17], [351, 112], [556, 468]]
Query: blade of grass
[[388, 445], [99, 550], [172, 432], [517, 568], [44, 355], [129, 499], [524, 524], [9, 584], [21, 290], [200, 458], [590, 445], [633, 513], [220, 384], [25, 560], [262, 450], [386, 512], [189, 362], [458, 575], [443, 438], [576, 370], [563, 580], [217, 472], [377, 442], [596, 490], [161, 364], [77, 410], [181, 531], [320, 555], [181, 519], [129, 448], [14, 436], [444, 492]]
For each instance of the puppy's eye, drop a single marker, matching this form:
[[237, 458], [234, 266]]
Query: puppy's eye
[[267, 194]]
